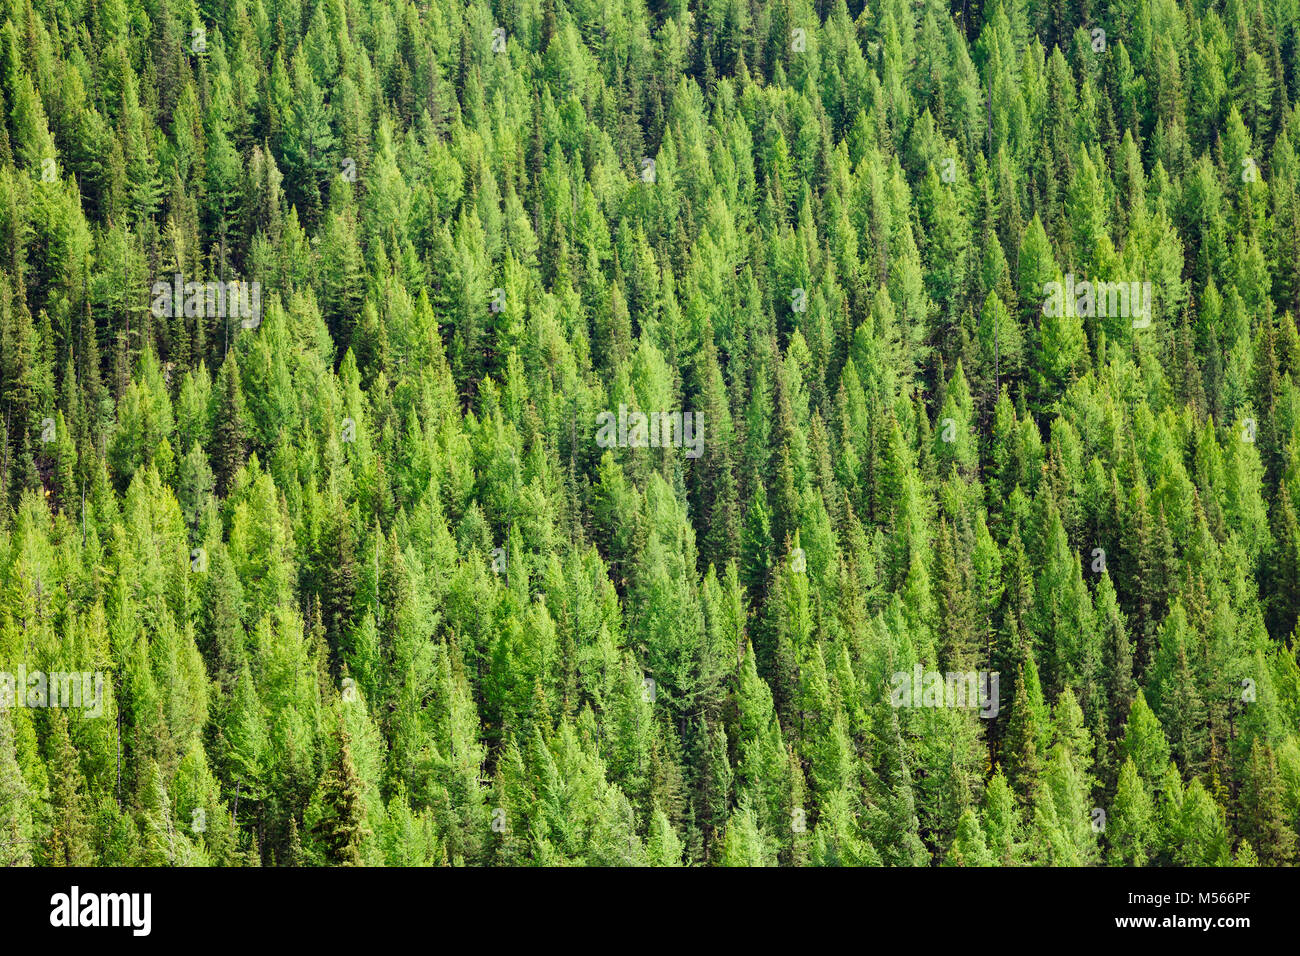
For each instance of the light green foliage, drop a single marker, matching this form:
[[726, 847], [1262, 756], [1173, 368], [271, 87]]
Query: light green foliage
[[390, 571]]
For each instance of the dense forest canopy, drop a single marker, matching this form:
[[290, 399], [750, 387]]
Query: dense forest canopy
[[669, 433]]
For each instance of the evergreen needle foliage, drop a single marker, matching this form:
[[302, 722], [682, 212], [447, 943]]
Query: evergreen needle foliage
[[551, 432]]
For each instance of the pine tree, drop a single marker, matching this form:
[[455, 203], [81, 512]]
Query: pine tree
[[229, 436], [15, 801], [1130, 826], [69, 840], [1263, 820], [342, 831]]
